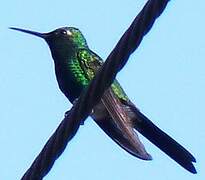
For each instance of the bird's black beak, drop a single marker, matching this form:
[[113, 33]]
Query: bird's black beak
[[41, 35]]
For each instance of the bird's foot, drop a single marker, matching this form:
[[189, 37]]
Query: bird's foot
[[68, 112]]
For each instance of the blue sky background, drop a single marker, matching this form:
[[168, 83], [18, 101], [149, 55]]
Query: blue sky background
[[165, 78]]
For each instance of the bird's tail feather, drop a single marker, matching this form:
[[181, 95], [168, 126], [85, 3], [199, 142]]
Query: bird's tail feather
[[164, 141]]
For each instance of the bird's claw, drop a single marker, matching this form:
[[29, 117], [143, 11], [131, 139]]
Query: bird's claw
[[68, 112]]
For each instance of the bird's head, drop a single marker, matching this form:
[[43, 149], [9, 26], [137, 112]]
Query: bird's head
[[61, 40]]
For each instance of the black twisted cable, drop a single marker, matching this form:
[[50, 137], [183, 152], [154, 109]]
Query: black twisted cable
[[82, 108]]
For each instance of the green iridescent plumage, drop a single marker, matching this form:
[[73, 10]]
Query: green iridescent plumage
[[90, 63], [75, 67], [78, 73], [82, 63]]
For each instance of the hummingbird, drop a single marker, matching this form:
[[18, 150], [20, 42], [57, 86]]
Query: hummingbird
[[75, 66]]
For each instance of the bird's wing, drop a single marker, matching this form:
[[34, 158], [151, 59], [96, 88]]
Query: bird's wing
[[109, 114], [138, 121], [89, 62]]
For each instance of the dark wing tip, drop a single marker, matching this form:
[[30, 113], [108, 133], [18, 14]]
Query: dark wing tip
[[146, 156]]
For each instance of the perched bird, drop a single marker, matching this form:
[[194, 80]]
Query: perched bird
[[75, 67]]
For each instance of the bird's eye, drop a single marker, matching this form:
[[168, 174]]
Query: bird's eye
[[63, 32]]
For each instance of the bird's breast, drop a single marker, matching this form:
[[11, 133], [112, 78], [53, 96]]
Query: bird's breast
[[71, 79]]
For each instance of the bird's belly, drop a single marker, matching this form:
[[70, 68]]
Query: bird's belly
[[69, 86]]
